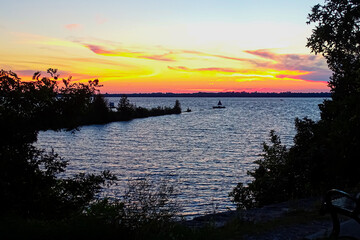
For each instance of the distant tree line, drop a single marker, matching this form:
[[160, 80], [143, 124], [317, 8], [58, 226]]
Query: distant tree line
[[226, 94], [326, 153]]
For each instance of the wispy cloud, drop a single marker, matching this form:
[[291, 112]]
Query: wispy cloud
[[165, 55], [198, 53], [314, 65], [210, 69], [302, 66], [128, 53], [263, 62], [97, 61], [73, 26], [305, 62], [245, 74]]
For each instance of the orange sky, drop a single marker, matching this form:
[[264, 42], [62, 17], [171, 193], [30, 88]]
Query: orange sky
[[157, 50]]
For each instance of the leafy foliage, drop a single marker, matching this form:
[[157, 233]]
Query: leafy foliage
[[127, 111], [28, 176], [337, 37], [177, 107], [272, 174], [29, 185], [147, 209], [326, 153], [146, 202], [272, 179], [336, 135], [242, 196]]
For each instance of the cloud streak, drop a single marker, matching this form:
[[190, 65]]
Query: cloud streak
[[263, 62], [289, 61], [165, 56], [210, 69], [73, 26], [245, 73], [127, 53], [315, 65]]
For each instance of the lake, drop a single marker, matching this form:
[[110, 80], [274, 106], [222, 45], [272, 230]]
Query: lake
[[204, 153]]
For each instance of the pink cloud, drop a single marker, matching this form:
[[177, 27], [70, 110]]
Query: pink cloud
[[288, 76], [263, 53], [312, 68], [127, 53], [73, 26], [213, 55], [210, 69], [97, 49], [163, 57], [314, 64]]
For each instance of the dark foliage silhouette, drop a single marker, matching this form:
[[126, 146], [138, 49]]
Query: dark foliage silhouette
[[28, 176], [326, 153], [127, 111]]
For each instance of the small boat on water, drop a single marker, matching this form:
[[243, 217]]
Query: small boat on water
[[219, 105], [188, 110]]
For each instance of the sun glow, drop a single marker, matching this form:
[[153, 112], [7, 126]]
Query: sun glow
[[165, 55]]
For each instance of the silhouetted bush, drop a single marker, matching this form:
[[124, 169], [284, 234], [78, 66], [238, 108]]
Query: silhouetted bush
[[125, 110], [146, 202], [147, 210], [99, 111], [272, 179]]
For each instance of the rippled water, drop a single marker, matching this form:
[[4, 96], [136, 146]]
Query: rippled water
[[204, 152]]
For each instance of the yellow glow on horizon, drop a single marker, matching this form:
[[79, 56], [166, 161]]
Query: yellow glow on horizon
[[127, 68]]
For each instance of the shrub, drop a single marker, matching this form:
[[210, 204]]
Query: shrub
[[271, 179], [147, 202]]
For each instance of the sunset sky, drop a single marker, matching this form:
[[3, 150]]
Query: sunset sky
[[135, 46]]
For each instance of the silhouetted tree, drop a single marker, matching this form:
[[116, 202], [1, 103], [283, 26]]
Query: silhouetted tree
[[337, 37], [124, 104], [99, 111], [125, 109], [337, 135], [177, 107], [326, 153], [28, 176]]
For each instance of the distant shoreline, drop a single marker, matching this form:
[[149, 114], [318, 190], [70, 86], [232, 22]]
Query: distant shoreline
[[225, 94]]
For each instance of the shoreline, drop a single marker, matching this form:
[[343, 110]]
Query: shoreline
[[257, 215], [294, 219]]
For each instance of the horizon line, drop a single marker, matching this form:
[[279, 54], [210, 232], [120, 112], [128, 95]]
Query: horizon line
[[232, 92], [223, 94]]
